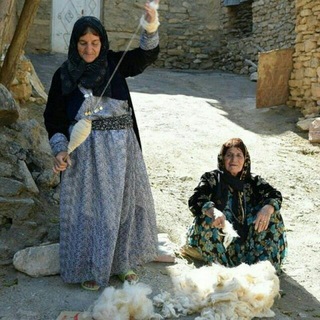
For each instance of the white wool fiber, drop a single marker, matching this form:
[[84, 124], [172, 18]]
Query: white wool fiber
[[218, 292], [79, 134], [122, 304], [151, 27], [227, 231]]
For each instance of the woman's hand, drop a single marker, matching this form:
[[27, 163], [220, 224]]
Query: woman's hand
[[218, 221], [263, 218], [61, 162], [150, 14]]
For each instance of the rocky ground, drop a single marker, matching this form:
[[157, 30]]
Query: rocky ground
[[184, 117]]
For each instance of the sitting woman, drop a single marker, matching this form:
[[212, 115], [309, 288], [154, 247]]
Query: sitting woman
[[248, 202]]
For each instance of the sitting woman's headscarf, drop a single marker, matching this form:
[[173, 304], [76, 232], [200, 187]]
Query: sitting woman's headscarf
[[236, 184], [75, 70]]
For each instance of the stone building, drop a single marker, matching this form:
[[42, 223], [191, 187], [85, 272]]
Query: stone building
[[305, 78], [190, 30], [253, 27], [205, 34]]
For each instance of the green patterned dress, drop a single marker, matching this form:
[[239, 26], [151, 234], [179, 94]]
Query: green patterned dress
[[254, 192]]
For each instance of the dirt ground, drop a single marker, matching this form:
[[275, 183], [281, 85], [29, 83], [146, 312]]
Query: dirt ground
[[184, 117]]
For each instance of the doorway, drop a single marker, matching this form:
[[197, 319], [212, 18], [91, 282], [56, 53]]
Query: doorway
[[64, 15]]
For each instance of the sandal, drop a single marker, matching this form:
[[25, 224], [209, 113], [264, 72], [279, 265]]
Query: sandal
[[90, 285], [130, 276], [186, 251]]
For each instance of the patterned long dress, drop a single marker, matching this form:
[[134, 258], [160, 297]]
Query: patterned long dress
[[267, 245], [270, 244], [107, 214]]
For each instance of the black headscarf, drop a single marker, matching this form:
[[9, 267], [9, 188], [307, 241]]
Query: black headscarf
[[236, 183], [75, 70]]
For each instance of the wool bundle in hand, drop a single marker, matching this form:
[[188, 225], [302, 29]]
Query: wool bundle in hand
[[79, 134], [227, 231], [151, 27]]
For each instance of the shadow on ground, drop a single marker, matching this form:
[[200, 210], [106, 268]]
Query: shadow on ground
[[295, 301], [46, 297]]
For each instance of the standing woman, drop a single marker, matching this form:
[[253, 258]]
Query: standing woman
[[107, 216], [248, 202]]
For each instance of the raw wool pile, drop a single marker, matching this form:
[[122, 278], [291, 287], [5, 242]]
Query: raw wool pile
[[129, 303], [217, 292]]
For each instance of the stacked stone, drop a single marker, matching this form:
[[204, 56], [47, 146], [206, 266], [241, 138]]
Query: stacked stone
[[25, 164], [21, 87], [189, 31], [201, 34], [305, 78], [193, 35], [273, 25]]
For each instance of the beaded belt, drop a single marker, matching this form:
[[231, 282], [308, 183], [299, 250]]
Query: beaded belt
[[113, 123]]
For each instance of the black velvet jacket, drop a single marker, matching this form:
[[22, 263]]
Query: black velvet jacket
[[61, 110], [257, 193]]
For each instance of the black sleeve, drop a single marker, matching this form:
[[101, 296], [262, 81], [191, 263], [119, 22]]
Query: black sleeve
[[265, 193], [135, 61], [204, 192], [55, 114]]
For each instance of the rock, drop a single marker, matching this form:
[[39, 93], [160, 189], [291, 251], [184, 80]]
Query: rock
[[10, 187], [254, 76], [9, 110], [47, 178], [26, 215], [38, 88], [165, 249], [18, 209], [44, 260], [38, 261], [27, 177], [21, 92], [314, 131], [304, 124], [6, 169]]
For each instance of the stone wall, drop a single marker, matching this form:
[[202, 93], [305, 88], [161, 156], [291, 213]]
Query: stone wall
[[252, 27], [202, 34], [305, 78], [189, 30], [190, 34], [205, 34], [28, 214]]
